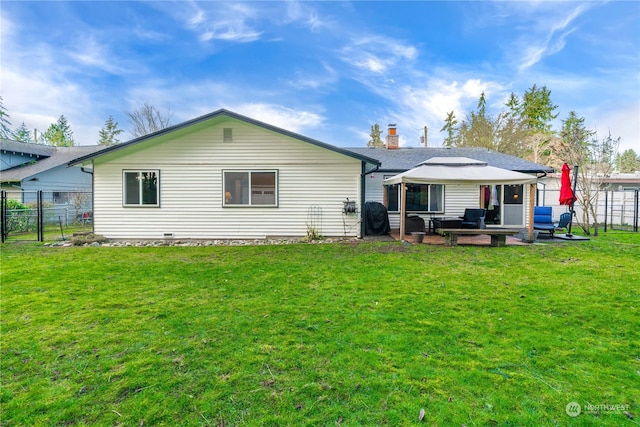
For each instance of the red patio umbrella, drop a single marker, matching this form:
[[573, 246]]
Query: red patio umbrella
[[566, 193]]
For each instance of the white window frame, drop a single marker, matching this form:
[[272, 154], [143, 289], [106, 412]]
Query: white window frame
[[250, 203], [140, 203]]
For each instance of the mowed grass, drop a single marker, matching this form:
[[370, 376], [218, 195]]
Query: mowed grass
[[362, 334]]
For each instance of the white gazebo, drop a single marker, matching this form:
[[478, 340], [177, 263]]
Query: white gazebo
[[461, 170]]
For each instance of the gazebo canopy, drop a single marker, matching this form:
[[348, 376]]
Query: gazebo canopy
[[459, 170]]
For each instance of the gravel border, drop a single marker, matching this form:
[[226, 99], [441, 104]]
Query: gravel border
[[201, 243]]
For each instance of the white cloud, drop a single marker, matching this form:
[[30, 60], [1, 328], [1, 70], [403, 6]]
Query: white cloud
[[197, 19], [88, 52], [299, 12], [428, 105], [547, 37], [202, 97], [225, 21], [38, 100], [36, 90], [377, 54], [277, 115], [621, 122], [320, 80], [239, 35]]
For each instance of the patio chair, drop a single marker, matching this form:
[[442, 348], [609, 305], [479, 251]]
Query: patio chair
[[543, 219], [413, 223], [473, 218], [565, 219]]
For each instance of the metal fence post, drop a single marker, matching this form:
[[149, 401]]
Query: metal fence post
[[636, 199], [606, 206], [3, 216], [613, 202], [40, 219]]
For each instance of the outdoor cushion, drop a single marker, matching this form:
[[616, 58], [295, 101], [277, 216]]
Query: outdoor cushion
[[543, 219], [473, 218]]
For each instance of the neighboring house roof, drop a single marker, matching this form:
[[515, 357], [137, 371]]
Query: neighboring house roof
[[232, 115], [623, 178], [614, 178], [57, 156], [10, 145], [405, 158]]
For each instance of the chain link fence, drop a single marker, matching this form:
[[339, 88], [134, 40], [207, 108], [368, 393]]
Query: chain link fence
[[45, 215], [621, 210], [616, 210]]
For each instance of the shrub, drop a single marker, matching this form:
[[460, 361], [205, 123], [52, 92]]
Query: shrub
[[20, 217], [88, 239]]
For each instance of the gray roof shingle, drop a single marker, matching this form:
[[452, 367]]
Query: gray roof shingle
[[10, 145], [56, 156], [406, 158]]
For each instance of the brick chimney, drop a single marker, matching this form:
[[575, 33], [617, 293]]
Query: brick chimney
[[392, 138]]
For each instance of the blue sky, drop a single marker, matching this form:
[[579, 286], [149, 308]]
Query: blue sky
[[328, 70]]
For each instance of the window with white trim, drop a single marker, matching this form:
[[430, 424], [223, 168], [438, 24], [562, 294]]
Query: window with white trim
[[250, 188], [141, 188]]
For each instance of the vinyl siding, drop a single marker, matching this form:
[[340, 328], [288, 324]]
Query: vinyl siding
[[191, 193], [456, 199], [60, 178]]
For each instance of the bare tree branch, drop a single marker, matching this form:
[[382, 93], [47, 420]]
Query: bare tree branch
[[148, 119]]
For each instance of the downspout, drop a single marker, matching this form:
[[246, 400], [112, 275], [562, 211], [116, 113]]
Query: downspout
[[93, 214]]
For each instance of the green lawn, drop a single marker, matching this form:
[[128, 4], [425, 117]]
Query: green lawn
[[358, 334]]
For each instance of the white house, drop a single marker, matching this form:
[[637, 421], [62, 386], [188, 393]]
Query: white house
[[507, 204], [224, 176]]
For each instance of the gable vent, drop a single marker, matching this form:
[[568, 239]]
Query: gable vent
[[227, 135]]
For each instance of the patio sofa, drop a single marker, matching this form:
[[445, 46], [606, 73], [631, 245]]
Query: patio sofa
[[473, 218]]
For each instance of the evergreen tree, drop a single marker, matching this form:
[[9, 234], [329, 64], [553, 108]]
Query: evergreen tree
[[109, 133], [502, 133], [5, 124], [23, 134], [482, 105], [513, 104], [537, 110], [375, 140], [450, 128], [576, 137], [481, 128], [59, 134], [628, 161]]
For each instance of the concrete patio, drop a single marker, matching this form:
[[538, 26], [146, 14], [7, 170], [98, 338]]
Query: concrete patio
[[480, 240]]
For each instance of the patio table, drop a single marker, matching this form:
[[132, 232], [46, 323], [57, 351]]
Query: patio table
[[444, 222]]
